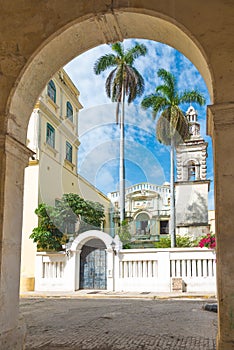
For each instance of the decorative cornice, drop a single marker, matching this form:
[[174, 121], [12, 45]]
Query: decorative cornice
[[219, 115], [50, 148], [67, 163], [196, 182]]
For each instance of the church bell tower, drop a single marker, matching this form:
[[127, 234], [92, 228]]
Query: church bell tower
[[192, 186]]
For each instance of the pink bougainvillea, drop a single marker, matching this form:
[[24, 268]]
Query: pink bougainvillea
[[208, 241]]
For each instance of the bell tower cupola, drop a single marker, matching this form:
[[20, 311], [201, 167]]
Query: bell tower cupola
[[194, 127], [191, 155]]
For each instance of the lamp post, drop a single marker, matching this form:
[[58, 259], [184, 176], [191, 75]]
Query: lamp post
[[113, 247]]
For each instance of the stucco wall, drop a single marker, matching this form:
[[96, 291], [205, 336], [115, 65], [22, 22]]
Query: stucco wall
[[191, 203], [30, 220]]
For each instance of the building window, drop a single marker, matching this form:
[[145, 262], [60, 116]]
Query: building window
[[50, 135], [69, 111], [164, 227], [52, 91], [68, 152]]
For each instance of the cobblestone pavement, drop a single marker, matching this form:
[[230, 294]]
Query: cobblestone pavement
[[75, 324]]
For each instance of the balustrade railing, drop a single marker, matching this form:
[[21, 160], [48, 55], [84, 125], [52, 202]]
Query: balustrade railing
[[142, 270], [143, 187]]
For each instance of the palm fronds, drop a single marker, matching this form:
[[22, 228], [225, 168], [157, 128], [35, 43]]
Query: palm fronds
[[104, 62], [124, 75], [166, 100]]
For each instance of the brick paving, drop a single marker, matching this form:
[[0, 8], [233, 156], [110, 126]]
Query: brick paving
[[75, 324]]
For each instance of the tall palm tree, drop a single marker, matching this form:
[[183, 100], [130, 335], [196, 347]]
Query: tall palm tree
[[172, 126], [123, 81]]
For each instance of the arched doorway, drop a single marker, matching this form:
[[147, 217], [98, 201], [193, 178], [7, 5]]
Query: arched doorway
[[142, 221], [95, 260], [93, 269]]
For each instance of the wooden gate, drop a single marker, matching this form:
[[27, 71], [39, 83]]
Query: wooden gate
[[93, 265]]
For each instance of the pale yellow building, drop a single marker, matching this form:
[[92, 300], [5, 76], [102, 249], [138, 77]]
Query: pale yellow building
[[52, 171]]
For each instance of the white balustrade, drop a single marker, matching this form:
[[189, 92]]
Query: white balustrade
[[51, 272], [142, 270]]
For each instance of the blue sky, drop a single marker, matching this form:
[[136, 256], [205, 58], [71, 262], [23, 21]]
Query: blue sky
[[146, 159]]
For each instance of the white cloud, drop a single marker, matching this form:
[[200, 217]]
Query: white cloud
[[99, 136], [90, 85]]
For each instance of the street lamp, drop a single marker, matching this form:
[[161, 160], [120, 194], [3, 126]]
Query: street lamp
[[113, 247]]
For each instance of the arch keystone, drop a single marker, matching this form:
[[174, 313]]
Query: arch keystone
[[109, 27]]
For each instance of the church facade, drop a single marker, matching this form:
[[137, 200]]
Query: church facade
[[147, 210]]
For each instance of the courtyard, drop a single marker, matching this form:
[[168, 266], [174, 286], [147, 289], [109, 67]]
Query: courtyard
[[91, 323]]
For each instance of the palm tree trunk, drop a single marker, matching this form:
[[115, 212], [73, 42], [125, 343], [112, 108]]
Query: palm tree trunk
[[172, 199], [122, 161]]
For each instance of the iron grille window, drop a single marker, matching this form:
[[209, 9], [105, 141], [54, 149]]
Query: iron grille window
[[69, 111], [68, 151], [50, 135], [51, 90]]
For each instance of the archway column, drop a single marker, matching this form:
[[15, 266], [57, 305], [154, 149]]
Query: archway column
[[221, 128], [14, 158]]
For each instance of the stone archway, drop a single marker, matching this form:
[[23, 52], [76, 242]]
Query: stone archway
[[32, 35], [85, 33], [93, 267], [95, 247]]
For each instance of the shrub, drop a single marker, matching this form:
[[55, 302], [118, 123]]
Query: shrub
[[124, 234], [47, 235], [57, 223], [165, 242], [181, 242]]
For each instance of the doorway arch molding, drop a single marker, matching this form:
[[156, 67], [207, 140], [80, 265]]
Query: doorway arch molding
[[89, 30], [85, 237]]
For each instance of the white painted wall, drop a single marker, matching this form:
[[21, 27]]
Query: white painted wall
[[30, 220], [211, 218], [134, 270], [192, 203]]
